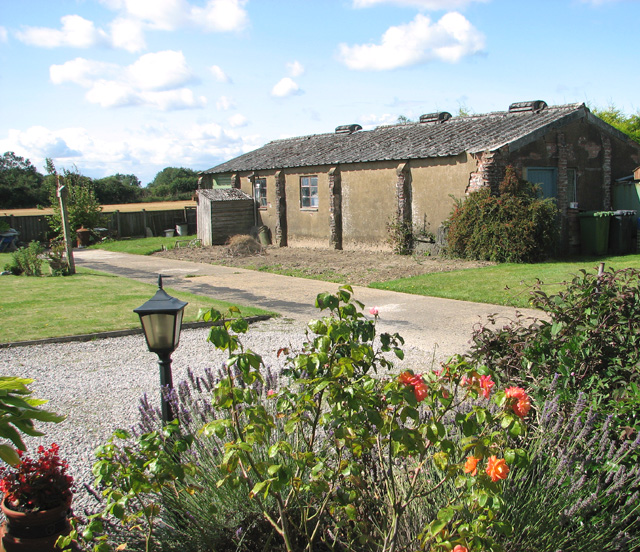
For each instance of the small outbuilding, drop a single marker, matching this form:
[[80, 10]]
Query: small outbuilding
[[222, 213]]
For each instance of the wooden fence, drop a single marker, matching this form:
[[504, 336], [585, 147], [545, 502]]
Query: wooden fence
[[121, 224]]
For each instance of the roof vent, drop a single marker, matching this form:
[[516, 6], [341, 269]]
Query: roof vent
[[521, 107], [348, 129], [438, 117]]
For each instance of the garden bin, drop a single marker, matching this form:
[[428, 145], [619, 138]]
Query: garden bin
[[594, 232], [622, 232]]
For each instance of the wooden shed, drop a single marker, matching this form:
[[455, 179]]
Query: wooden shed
[[222, 213]]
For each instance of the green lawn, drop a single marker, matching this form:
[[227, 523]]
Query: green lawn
[[88, 302], [504, 284], [144, 246]]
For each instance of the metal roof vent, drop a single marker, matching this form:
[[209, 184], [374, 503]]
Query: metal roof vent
[[535, 106], [348, 129], [438, 117]]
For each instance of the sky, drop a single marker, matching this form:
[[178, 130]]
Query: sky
[[134, 86]]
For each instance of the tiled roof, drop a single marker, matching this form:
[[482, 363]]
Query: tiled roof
[[471, 134], [224, 194]]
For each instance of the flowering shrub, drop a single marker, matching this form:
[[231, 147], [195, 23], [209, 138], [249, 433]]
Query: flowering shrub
[[35, 485], [347, 448]]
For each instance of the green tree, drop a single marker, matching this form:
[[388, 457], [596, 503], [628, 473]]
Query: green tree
[[118, 188], [174, 183], [21, 185], [629, 124], [82, 204]]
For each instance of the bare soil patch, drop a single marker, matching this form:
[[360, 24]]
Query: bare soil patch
[[353, 267]]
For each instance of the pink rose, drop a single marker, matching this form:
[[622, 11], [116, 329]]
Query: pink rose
[[374, 311]]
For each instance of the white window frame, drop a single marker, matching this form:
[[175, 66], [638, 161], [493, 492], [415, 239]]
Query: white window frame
[[310, 199], [260, 192]]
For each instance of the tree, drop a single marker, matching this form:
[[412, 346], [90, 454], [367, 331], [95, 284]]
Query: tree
[[629, 124], [118, 188], [21, 185], [82, 205], [174, 183]]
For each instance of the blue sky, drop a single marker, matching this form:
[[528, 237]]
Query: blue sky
[[133, 86]]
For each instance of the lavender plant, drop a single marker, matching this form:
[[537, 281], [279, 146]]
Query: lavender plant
[[579, 493]]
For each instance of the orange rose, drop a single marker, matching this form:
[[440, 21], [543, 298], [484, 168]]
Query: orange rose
[[420, 391], [471, 465], [460, 548], [497, 469], [520, 401]]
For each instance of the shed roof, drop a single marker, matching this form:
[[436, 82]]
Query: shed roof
[[472, 134], [224, 194]]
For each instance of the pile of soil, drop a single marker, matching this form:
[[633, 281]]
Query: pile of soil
[[356, 267]]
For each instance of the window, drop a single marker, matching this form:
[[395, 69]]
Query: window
[[309, 192], [260, 192], [546, 178]]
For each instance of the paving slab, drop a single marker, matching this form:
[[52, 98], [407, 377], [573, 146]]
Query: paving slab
[[442, 327]]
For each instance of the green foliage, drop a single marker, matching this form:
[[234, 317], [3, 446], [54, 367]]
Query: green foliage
[[589, 337], [173, 183], [18, 412], [83, 207], [26, 260], [629, 124], [21, 185], [118, 188], [400, 236], [514, 226]]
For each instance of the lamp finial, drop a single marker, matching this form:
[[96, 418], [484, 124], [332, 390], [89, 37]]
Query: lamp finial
[[159, 281]]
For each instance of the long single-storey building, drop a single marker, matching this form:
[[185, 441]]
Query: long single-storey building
[[342, 189]]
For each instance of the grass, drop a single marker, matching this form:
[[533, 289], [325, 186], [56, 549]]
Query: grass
[[144, 246], [504, 284], [88, 302]]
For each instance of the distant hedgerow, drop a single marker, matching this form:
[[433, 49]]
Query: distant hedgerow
[[514, 226]]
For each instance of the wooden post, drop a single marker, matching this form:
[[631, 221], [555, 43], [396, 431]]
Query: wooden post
[[63, 193]]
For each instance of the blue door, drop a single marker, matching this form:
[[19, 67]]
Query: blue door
[[546, 178]]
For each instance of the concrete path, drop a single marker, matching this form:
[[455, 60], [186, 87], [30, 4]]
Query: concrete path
[[441, 327]]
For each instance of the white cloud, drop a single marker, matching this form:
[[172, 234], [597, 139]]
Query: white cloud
[[422, 4], [237, 121], [76, 32], [419, 41], [156, 80], [127, 34], [165, 15], [285, 87], [4, 37], [221, 15], [160, 71], [219, 74], [374, 119], [295, 68], [83, 72], [225, 103]]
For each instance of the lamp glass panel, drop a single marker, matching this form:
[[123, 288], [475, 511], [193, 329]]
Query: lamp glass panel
[[159, 329], [178, 326]]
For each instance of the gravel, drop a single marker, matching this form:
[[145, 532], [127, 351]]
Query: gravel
[[98, 384]]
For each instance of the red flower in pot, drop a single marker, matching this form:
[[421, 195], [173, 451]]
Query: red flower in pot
[[37, 500]]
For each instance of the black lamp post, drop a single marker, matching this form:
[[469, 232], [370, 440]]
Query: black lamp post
[[161, 319]]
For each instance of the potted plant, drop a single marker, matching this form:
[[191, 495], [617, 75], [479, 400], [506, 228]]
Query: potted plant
[[36, 502]]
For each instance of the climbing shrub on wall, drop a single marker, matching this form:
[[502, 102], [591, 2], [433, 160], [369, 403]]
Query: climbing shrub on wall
[[516, 225]]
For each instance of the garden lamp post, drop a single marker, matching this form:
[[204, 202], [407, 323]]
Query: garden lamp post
[[161, 319]]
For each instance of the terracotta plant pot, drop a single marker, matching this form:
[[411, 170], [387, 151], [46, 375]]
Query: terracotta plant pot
[[34, 531]]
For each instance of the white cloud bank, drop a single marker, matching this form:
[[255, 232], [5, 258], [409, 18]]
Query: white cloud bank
[[4, 36], [420, 41], [219, 74], [157, 80], [126, 31], [144, 152]]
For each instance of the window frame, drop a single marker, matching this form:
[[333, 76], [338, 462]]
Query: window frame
[[309, 182], [260, 192]]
